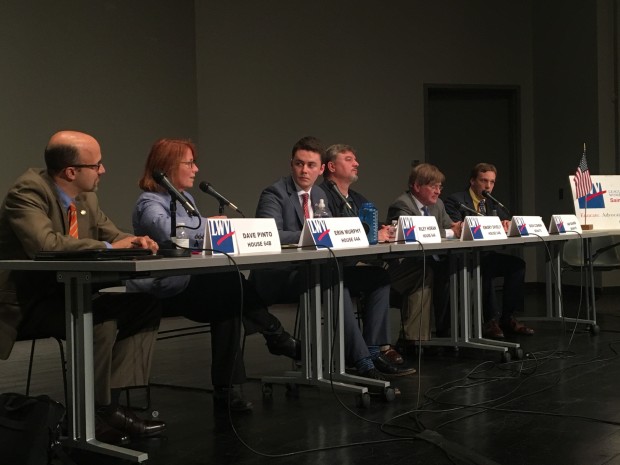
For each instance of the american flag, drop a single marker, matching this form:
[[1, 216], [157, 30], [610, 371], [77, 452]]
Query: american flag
[[583, 182]]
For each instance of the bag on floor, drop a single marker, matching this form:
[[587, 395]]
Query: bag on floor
[[30, 429]]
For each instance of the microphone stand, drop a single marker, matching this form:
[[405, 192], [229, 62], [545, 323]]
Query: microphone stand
[[221, 207], [171, 250]]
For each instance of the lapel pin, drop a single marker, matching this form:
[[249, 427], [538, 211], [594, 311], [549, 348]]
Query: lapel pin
[[82, 212]]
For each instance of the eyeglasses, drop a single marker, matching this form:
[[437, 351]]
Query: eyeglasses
[[95, 166], [190, 164], [434, 187]]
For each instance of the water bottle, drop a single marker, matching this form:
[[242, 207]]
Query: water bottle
[[320, 210], [369, 215], [182, 238]]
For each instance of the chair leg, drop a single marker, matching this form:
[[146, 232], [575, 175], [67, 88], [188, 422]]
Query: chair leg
[[63, 363], [30, 367]]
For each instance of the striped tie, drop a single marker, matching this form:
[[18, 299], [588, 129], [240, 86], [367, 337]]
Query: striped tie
[[305, 204], [73, 225]]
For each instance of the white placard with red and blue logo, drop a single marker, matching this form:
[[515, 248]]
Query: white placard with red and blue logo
[[421, 229], [525, 226], [220, 237], [241, 236], [602, 202], [482, 228], [335, 233], [562, 224]]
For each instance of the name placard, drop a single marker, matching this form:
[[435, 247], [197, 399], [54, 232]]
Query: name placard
[[421, 229], [561, 224], [256, 235], [241, 236], [526, 225], [482, 228], [335, 233]]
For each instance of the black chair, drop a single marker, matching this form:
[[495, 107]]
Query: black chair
[[63, 360]]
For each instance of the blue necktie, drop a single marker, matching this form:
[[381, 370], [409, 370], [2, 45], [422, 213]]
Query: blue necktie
[[425, 211]]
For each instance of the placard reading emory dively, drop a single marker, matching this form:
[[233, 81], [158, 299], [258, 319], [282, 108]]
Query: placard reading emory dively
[[482, 228], [335, 233], [527, 225], [603, 202], [561, 224], [421, 229]]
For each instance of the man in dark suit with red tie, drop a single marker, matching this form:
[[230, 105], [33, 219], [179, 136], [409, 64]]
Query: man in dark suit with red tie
[[290, 201], [498, 320]]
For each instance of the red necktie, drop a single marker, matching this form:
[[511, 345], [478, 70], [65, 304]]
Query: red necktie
[[304, 198], [73, 225]]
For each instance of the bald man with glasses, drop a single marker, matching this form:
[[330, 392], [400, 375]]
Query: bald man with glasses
[[56, 209]]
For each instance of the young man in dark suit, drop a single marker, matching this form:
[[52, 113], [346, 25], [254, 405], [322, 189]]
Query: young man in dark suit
[[290, 201], [498, 320]]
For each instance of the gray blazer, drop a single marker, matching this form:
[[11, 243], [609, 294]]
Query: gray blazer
[[280, 202], [405, 206]]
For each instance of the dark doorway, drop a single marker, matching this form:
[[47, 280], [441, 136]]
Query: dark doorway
[[468, 125]]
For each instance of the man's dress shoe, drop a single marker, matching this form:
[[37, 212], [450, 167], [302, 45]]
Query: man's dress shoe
[[384, 365], [513, 326], [105, 433], [124, 420], [393, 356], [491, 330], [284, 344]]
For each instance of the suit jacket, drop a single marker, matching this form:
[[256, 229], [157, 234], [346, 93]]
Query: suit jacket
[[458, 214], [405, 206], [336, 205], [280, 202], [32, 219]]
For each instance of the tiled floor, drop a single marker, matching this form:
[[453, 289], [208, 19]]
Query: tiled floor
[[561, 404]]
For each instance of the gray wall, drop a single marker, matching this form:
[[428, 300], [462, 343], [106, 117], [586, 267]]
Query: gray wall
[[350, 71], [122, 71]]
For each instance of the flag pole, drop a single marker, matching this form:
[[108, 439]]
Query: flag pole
[[586, 226]]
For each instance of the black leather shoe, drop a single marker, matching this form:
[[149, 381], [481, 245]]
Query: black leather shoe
[[284, 344], [107, 434], [384, 366], [124, 420], [223, 397]]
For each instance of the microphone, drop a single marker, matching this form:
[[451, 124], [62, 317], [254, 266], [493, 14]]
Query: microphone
[[470, 210], [162, 180], [488, 195], [333, 187], [208, 189]]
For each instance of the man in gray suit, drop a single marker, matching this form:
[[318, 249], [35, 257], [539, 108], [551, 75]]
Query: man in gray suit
[[57, 209], [422, 199], [290, 201]]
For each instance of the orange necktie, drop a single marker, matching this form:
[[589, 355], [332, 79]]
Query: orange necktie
[[73, 225]]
